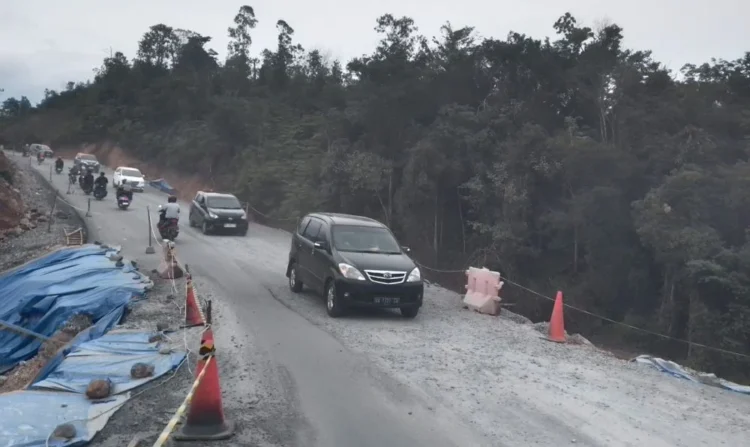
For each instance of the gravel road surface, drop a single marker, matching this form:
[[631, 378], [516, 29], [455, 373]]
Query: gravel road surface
[[286, 381], [293, 377]]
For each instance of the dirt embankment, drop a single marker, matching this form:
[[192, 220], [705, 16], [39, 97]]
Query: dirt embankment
[[11, 204], [113, 156], [32, 221]]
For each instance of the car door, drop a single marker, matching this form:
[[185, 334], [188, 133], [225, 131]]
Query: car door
[[196, 212], [321, 258], [296, 236], [306, 250]]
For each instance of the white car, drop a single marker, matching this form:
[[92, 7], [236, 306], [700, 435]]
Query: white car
[[132, 175]]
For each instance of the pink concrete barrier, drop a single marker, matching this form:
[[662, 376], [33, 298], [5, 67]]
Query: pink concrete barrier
[[482, 290]]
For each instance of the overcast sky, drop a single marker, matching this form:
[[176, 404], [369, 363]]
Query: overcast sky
[[45, 43]]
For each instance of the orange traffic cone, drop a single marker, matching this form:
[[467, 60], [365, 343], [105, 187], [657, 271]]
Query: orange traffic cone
[[556, 321], [205, 419], [193, 316]]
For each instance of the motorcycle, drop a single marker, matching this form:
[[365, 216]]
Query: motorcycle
[[87, 189], [123, 202], [58, 169], [100, 192], [168, 228], [80, 180]]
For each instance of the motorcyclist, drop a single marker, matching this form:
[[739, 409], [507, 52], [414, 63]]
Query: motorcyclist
[[40, 156], [169, 211], [101, 181], [88, 180], [59, 164], [124, 189]]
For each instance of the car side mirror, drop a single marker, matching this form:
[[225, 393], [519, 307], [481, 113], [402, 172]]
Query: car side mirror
[[406, 249]]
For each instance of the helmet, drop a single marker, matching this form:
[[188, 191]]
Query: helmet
[[124, 181], [172, 199], [101, 174]]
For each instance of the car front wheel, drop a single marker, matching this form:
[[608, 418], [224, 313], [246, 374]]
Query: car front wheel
[[204, 227], [333, 304], [409, 312]]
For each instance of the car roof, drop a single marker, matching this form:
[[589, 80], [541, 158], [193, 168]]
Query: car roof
[[348, 219], [84, 153], [216, 194], [128, 167]]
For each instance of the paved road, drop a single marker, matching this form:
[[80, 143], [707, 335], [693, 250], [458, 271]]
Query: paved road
[[310, 389]]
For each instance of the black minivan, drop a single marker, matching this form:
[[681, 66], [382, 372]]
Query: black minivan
[[354, 262], [213, 212]]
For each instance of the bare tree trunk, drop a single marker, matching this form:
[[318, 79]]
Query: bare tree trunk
[[575, 249], [442, 227], [435, 227], [389, 211], [461, 217]]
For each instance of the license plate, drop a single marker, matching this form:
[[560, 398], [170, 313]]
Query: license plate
[[230, 225], [385, 300]]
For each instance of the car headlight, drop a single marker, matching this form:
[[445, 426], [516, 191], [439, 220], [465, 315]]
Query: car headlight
[[243, 216], [212, 215], [350, 272], [415, 275]]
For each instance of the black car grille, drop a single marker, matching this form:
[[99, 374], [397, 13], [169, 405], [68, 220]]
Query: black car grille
[[385, 276]]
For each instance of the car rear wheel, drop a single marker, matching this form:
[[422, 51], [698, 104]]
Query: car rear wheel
[[333, 305], [409, 312], [294, 283]]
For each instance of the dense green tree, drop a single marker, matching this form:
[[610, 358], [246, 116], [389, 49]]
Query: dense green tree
[[569, 163]]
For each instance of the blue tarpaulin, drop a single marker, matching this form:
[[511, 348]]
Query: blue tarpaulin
[[682, 372], [45, 293], [28, 418], [109, 356], [162, 185]]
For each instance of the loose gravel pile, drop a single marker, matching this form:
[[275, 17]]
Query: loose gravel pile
[[22, 375]]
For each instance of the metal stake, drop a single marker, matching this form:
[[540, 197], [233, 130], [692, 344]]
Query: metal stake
[[150, 249], [51, 214]]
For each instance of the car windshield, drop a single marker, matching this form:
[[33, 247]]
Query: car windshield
[[364, 239], [131, 173], [223, 202], [87, 157]]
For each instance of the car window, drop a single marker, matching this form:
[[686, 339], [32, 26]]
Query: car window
[[88, 157], [311, 232], [353, 238], [223, 202], [131, 173], [302, 225], [323, 233]]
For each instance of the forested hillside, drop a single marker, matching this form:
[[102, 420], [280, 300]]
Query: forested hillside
[[569, 163]]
